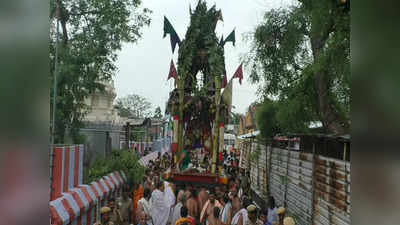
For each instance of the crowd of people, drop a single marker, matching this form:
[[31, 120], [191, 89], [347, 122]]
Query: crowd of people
[[158, 201]]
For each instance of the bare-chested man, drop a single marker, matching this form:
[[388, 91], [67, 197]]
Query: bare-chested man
[[207, 214], [235, 201], [218, 192], [191, 204], [203, 197], [187, 191]]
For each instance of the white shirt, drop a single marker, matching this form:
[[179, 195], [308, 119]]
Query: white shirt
[[272, 216], [160, 208], [176, 213]]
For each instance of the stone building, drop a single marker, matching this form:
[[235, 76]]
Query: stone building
[[103, 126]]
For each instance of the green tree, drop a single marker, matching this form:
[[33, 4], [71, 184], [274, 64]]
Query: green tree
[[266, 119], [275, 117], [92, 31], [157, 112], [301, 56], [120, 160], [133, 105]]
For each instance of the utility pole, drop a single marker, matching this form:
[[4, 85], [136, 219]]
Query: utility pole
[[53, 128]]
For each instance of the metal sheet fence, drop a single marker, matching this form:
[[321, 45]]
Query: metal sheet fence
[[314, 189]]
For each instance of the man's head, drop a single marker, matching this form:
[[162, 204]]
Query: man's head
[[218, 191], [184, 211], [142, 218], [252, 213], [245, 202], [181, 196], [211, 196], [105, 214], [234, 192], [160, 186], [225, 198], [271, 202], [192, 193], [237, 182], [111, 204], [146, 193]]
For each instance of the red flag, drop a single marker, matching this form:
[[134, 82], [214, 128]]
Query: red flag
[[172, 71], [239, 73], [224, 82]]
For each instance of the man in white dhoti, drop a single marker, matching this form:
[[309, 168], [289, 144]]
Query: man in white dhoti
[[176, 210], [169, 193], [160, 207]]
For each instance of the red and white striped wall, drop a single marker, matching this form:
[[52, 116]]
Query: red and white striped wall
[[81, 205], [71, 201], [67, 169]]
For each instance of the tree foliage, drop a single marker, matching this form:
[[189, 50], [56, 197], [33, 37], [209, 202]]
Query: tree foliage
[[157, 113], [234, 118], [120, 160], [275, 117], [91, 33], [133, 105], [301, 56], [266, 119]]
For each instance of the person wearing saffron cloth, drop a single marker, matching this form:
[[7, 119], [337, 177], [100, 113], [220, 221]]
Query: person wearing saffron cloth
[[207, 214], [137, 195]]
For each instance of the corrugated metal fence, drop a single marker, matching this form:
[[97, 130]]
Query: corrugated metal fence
[[314, 189]]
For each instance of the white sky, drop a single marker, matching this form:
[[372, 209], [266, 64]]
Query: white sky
[[144, 66]]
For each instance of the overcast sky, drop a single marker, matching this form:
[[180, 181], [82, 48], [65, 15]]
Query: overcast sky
[[144, 66]]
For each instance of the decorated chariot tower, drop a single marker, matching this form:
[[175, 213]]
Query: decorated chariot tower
[[201, 100]]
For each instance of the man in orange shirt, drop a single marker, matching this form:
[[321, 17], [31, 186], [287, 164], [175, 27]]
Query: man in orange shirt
[[138, 193]]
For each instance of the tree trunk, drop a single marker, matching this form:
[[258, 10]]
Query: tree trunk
[[330, 118]]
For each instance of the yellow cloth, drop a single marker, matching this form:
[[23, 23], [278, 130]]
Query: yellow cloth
[[289, 221], [183, 220], [105, 209], [280, 210], [251, 208]]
